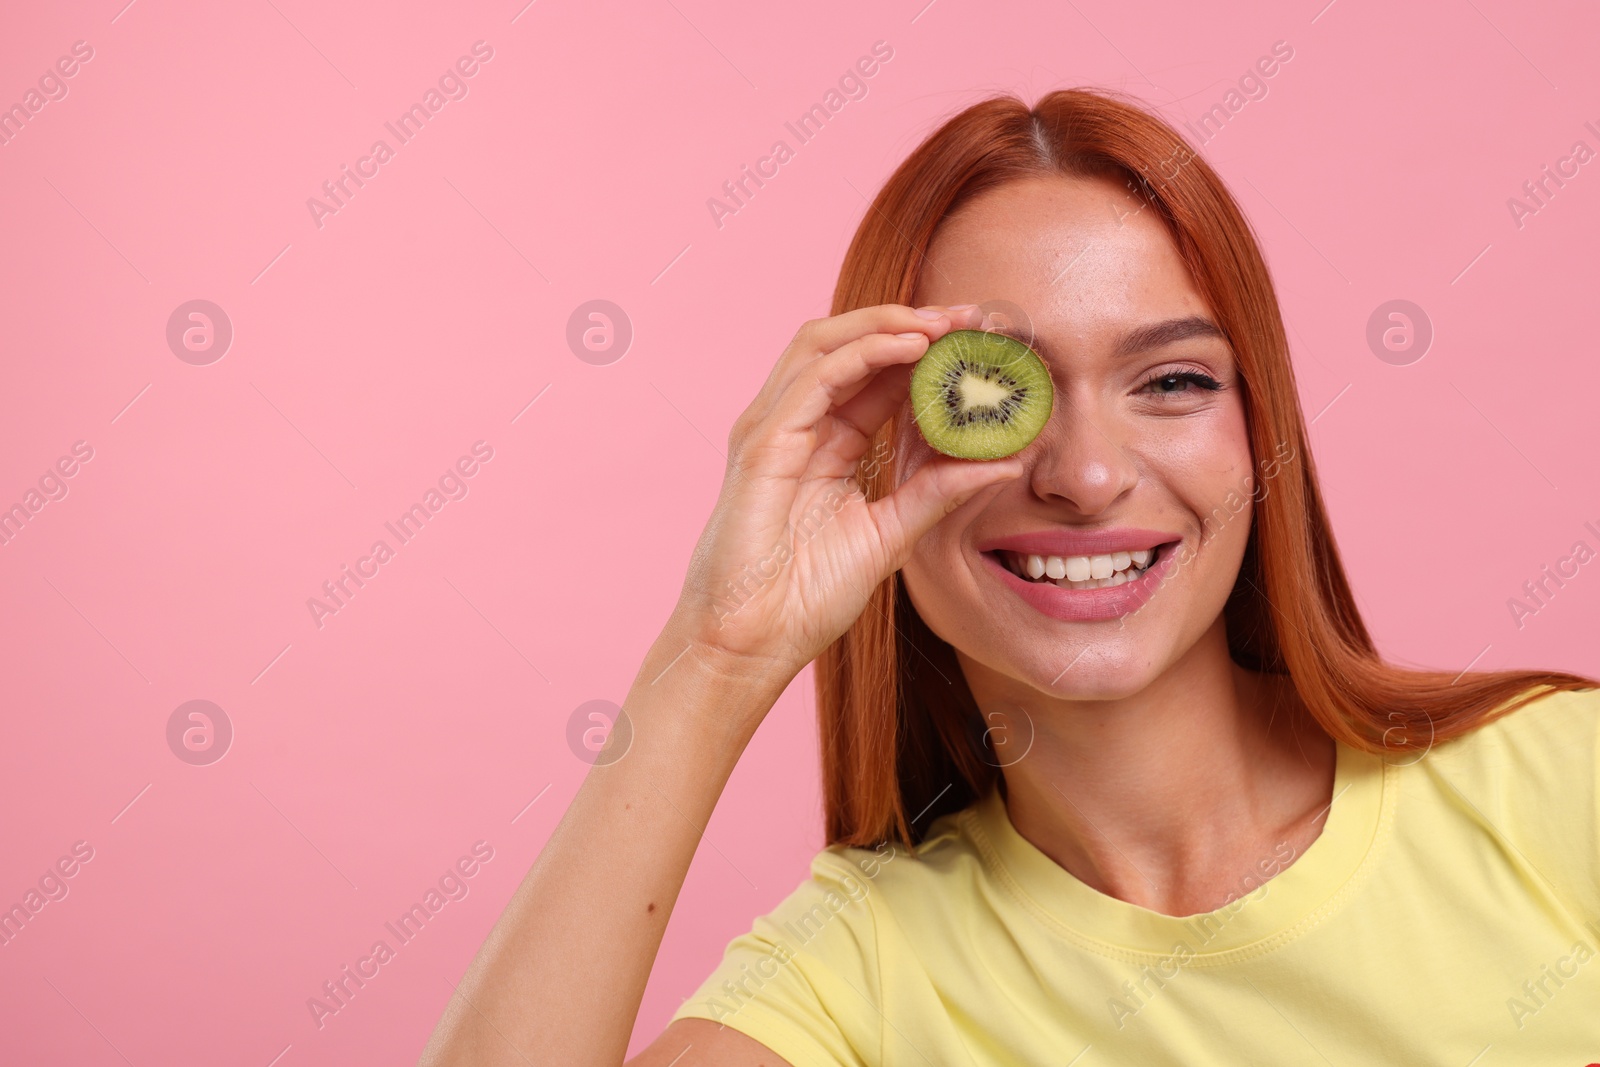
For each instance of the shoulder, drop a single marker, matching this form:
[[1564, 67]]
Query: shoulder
[[807, 978], [884, 884], [1532, 779], [896, 876], [804, 980], [1548, 746]]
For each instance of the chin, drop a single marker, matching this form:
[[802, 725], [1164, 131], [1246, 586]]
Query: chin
[[1097, 662]]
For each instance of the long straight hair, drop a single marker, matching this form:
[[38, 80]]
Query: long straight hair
[[895, 715]]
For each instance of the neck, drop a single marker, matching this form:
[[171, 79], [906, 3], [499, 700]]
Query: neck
[[1170, 797]]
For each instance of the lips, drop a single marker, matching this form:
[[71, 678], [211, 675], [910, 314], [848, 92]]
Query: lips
[[1079, 575]]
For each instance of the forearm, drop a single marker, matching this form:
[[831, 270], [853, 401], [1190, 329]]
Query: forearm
[[561, 976]]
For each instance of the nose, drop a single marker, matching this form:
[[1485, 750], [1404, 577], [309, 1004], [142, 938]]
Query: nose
[[1080, 459]]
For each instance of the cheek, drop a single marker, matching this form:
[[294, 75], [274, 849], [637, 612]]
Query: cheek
[[1213, 473], [1202, 456], [1205, 464]]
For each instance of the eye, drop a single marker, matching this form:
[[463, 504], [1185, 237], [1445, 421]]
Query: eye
[[1179, 383]]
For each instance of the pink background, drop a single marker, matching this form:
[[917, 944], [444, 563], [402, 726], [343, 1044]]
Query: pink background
[[370, 353]]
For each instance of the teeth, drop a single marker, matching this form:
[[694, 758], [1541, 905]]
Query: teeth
[[1083, 572]]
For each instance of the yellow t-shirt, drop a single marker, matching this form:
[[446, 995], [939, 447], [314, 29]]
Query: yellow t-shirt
[[1448, 914]]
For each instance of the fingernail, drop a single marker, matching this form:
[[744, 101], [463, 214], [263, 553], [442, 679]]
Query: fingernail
[[962, 307], [912, 335], [929, 313]]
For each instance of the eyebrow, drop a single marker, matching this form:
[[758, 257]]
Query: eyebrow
[[1143, 338]]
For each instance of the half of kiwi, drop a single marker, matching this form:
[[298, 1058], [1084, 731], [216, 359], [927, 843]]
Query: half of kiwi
[[980, 395]]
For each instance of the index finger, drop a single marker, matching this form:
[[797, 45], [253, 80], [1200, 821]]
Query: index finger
[[819, 337], [825, 335]]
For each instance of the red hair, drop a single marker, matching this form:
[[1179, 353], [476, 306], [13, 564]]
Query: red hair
[[889, 686]]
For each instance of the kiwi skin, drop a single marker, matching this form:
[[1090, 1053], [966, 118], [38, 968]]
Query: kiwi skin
[[1004, 371]]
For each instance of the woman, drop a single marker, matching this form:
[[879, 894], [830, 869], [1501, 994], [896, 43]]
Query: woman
[[1184, 816]]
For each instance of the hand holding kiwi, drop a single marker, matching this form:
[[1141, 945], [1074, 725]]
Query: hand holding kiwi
[[793, 549]]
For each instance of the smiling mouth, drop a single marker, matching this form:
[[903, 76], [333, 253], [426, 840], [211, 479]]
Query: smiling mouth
[[1081, 572]]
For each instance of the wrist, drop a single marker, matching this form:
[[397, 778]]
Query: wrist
[[704, 686]]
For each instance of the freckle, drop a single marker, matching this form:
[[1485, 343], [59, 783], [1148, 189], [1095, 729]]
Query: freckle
[[652, 906], [627, 807]]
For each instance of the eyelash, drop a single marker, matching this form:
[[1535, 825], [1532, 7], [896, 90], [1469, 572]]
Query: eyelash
[[1195, 378]]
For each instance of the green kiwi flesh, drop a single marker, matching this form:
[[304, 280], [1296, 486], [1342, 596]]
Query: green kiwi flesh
[[980, 395]]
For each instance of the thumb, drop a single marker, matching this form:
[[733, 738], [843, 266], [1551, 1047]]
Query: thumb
[[937, 489]]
